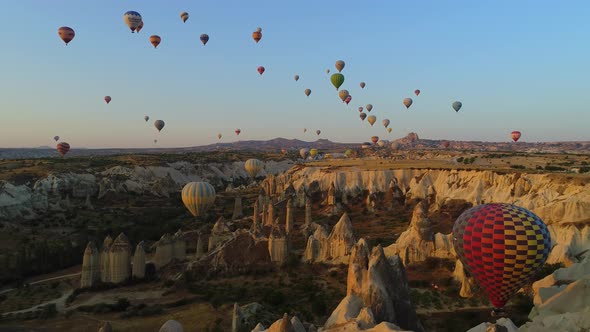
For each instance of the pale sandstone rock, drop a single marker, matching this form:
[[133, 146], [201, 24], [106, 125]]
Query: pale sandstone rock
[[120, 260], [171, 326], [105, 267], [138, 269], [90, 266]]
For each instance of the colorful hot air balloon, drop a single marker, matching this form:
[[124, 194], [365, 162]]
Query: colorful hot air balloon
[[369, 107], [66, 34], [56, 138], [155, 40], [260, 70], [307, 92], [515, 135], [204, 38], [395, 146], [372, 119], [219, 136], [337, 80], [446, 144], [159, 124], [296, 78], [360, 109], [363, 116], [63, 148], [257, 35], [146, 118], [237, 131], [408, 102], [318, 132], [132, 19], [139, 27], [303, 152], [385, 123], [348, 99], [184, 16], [253, 166], [198, 197], [362, 85], [389, 130], [348, 153], [343, 94], [313, 153], [339, 65], [107, 99], [502, 246], [374, 139], [381, 143], [417, 92], [457, 106]]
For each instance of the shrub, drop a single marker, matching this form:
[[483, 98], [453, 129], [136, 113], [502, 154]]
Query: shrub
[[517, 166], [460, 159], [584, 169], [318, 306]]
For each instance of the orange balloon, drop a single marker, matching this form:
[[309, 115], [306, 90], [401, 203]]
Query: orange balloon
[[155, 40]]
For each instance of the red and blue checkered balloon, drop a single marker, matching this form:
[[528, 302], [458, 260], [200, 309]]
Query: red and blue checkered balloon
[[502, 246]]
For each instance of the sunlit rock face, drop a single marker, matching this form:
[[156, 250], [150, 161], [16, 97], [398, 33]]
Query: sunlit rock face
[[120, 259]]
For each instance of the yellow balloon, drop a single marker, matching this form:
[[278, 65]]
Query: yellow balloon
[[198, 197], [253, 166]]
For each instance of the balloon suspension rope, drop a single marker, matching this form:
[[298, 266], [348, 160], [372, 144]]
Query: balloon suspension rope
[[498, 312]]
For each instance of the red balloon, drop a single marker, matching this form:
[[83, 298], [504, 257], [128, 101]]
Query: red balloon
[[260, 70], [63, 148], [375, 139], [348, 99], [417, 92], [237, 131], [515, 135], [107, 99]]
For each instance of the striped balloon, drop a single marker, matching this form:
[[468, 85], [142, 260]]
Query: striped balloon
[[502, 246], [198, 197], [253, 166], [63, 148], [132, 19]]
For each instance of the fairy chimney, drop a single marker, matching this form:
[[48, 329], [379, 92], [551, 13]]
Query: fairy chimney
[[90, 266]]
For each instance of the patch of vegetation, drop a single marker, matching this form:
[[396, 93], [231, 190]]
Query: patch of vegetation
[[552, 168], [518, 166]]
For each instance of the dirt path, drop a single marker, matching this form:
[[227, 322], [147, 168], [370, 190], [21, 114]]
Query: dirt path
[[42, 281]]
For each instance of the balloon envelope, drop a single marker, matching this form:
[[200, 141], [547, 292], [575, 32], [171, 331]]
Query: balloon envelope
[[198, 197], [296, 78], [348, 99], [307, 92], [360, 109], [159, 124], [337, 80], [502, 246], [318, 132], [257, 35], [204, 38], [303, 152], [56, 138], [253, 166], [362, 85], [417, 92], [313, 152], [146, 118], [155, 40], [63, 148], [340, 65], [369, 107], [237, 131], [184, 16], [372, 119], [107, 99], [515, 135], [132, 19], [260, 70], [139, 27], [363, 116], [375, 139], [343, 94], [385, 122], [389, 130], [219, 136], [66, 34], [408, 102], [457, 106]]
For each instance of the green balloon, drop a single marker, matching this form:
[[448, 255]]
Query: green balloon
[[337, 80]]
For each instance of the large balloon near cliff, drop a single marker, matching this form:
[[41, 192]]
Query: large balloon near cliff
[[198, 197], [253, 166], [502, 246]]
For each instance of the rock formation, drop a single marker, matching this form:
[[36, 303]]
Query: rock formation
[[501, 325], [90, 266], [120, 259], [270, 217], [278, 245], [256, 213], [164, 251], [312, 250], [179, 246], [238, 212], [468, 283], [554, 283], [219, 234], [341, 238], [332, 195], [138, 270], [171, 326], [106, 327], [237, 319], [307, 211], [289, 222], [105, 266], [200, 246]]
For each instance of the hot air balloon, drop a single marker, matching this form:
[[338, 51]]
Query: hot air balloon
[[146, 118], [360, 109], [515, 135], [362, 85], [369, 107], [313, 152], [318, 132], [304, 130], [66, 34], [132, 19], [63, 148], [198, 197], [389, 130], [457, 106], [257, 35], [337, 80], [155, 40], [159, 124], [348, 99], [363, 116], [303, 152], [296, 78], [348, 153], [381, 143], [374, 139], [502, 246], [184, 16], [237, 131], [407, 102], [417, 92], [139, 27], [395, 146], [343, 94], [260, 70], [340, 65], [219, 136], [372, 119], [204, 38], [327, 71], [155, 141], [385, 123], [446, 144], [253, 166], [284, 151], [307, 92], [107, 99], [56, 138]]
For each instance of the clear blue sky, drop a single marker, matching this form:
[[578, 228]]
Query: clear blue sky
[[515, 65]]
